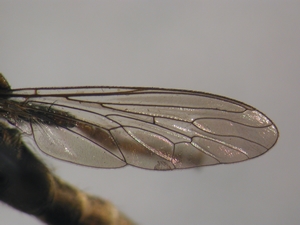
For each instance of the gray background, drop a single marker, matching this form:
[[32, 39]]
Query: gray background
[[247, 50]]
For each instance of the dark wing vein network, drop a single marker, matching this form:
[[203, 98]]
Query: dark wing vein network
[[160, 129]]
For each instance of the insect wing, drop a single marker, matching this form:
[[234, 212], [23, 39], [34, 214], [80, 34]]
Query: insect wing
[[160, 129]]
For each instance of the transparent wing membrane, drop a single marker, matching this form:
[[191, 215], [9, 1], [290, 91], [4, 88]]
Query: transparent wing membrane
[[160, 129]]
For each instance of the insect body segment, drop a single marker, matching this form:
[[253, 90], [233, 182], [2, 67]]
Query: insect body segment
[[29, 186], [151, 128]]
